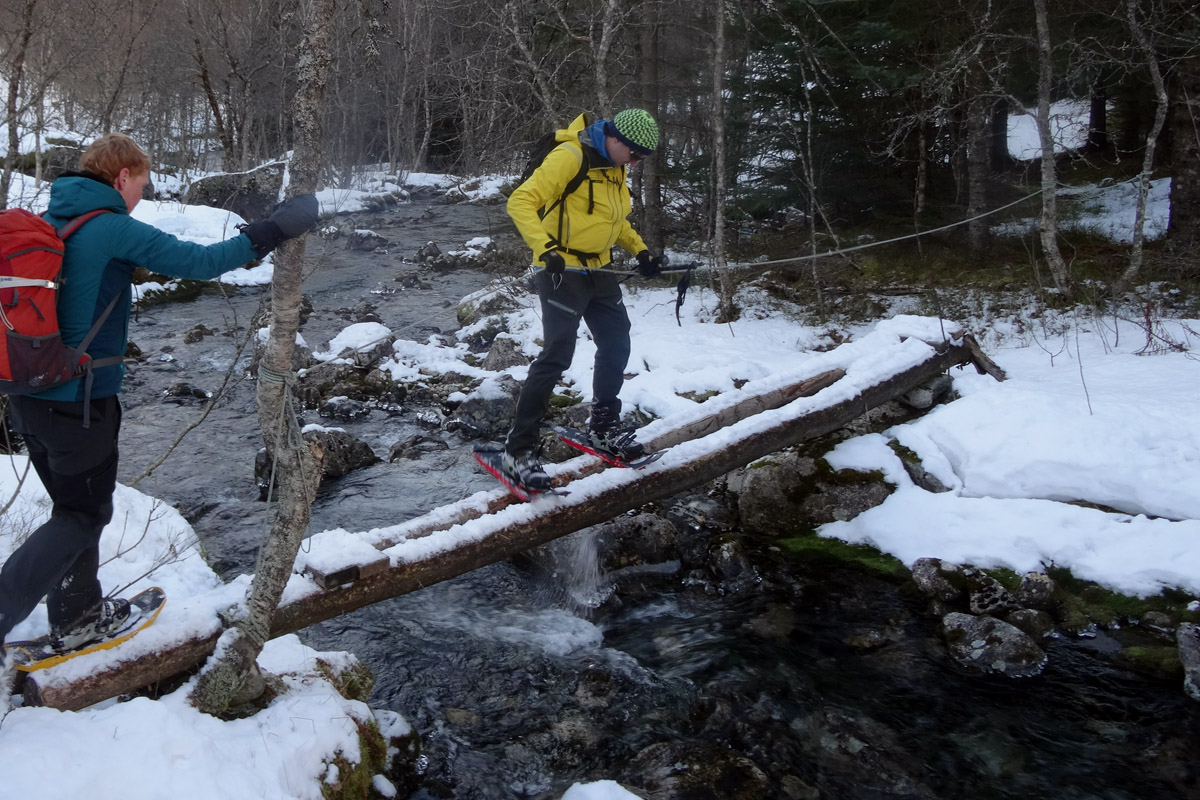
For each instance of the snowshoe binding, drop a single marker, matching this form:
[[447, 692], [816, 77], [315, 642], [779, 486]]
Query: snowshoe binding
[[522, 475], [614, 446]]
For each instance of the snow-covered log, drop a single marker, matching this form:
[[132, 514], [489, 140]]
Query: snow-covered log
[[578, 468]]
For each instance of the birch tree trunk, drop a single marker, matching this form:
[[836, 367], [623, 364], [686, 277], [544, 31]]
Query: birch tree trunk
[[232, 675], [727, 311], [1160, 119], [609, 24], [1048, 229]]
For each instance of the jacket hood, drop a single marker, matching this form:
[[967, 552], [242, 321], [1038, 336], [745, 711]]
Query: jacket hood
[[594, 135], [76, 193]]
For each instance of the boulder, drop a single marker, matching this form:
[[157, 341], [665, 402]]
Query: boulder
[[691, 771], [1037, 590], [489, 411], [789, 494], [59, 159], [362, 239], [251, 195], [343, 454], [992, 646], [416, 446], [505, 352], [937, 579], [987, 595]]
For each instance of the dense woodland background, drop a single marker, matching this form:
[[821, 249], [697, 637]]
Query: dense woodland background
[[832, 117]]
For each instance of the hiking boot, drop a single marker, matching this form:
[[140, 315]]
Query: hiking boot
[[617, 440], [526, 471], [106, 620]]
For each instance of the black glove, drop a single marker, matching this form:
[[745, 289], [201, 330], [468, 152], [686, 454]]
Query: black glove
[[288, 220], [650, 267], [554, 262]]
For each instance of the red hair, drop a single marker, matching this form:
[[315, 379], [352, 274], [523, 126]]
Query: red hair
[[113, 152]]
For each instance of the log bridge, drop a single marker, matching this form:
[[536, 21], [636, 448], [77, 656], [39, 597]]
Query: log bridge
[[491, 526]]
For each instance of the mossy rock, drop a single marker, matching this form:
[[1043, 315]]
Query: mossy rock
[[1083, 603], [354, 781], [565, 400], [814, 549], [1161, 661], [790, 494]]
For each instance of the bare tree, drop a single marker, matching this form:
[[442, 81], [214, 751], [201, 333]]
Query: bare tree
[[727, 312], [233, 674], [978, 156], [648, 185], [1161, 104], [1048, 227], [16, 71]]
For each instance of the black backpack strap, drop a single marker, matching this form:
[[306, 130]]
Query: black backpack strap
[[91, 364], [561, 202]]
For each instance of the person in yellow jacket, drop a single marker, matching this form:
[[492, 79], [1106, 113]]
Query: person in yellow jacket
[[571, 211]]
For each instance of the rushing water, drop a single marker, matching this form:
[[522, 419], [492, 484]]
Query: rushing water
[[809, 682]]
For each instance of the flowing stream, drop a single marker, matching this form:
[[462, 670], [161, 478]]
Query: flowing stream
[[810, 681]]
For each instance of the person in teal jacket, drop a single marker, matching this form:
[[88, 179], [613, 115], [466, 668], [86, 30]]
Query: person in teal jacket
[[71, 431]]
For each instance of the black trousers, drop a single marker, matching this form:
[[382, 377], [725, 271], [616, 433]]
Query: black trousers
[[78, 467], [594, 297]]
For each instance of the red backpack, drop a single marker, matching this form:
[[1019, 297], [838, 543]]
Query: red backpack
[[33, 357]]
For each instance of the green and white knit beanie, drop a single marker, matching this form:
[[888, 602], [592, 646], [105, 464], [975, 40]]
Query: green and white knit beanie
[[636, 129]]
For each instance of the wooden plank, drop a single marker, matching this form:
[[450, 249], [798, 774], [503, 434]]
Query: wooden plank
[[331, 580]]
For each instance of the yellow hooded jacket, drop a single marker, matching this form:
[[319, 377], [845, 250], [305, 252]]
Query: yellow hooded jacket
[[594, 216]]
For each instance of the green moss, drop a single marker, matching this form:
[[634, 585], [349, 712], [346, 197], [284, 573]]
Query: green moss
[[903, 453], [1005, 577], [355, 779], [565, 400], [821, 550], [699, 397], [1161, 661], [1083, 603], [354, 682]]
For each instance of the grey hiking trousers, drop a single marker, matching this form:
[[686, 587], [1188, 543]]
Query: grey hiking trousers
[[594, 297], [78, 467]]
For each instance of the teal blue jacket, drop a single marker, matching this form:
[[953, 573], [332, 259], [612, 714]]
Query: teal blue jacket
[[99, 263]]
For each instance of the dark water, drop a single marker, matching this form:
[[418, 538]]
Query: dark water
[[518, 698], [811, 682]]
